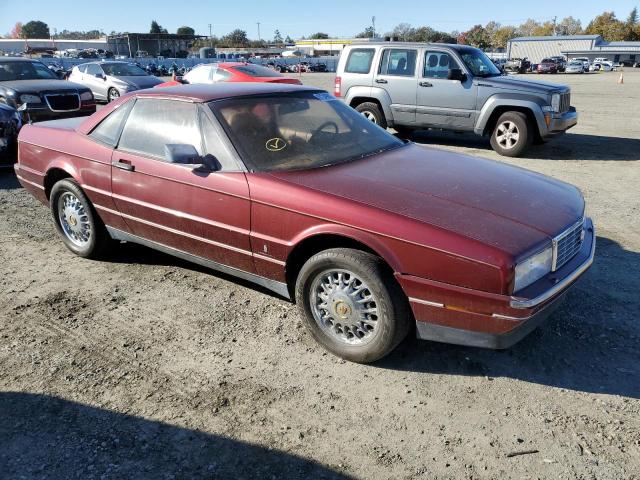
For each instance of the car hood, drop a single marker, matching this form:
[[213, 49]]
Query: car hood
[[512, 209], [138, 81], [29, 86], [510, 83]]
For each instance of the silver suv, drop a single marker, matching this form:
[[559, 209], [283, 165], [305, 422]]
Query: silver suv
[[411, 86]]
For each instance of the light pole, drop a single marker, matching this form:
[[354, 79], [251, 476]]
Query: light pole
[[259, 39], [373, 24], [210, 37]]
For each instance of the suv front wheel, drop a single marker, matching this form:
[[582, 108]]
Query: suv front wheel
[[371, 111], [512, 134]]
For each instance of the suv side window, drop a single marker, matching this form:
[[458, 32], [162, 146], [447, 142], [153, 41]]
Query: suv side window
[[153, 123], [359, 60], [398, 62], [437, 64]]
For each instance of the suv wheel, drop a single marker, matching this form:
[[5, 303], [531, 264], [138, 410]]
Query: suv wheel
[[512, 134], [351, 304], [81, 229], [372, 112]]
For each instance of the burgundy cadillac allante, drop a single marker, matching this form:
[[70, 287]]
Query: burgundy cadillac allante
[[288, 187]]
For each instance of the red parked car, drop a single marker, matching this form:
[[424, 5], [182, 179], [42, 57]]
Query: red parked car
[[288, 187], [230, 72], [547, 65]]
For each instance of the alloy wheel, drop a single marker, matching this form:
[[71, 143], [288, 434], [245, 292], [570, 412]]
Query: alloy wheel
[[507, 134], [73, 219]]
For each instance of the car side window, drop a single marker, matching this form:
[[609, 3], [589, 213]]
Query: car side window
[[220, 75], [82, 68], [108, 130], [398, 62], [153, 123], [93, 69], [359, 60], [214, 143], [437, 64]]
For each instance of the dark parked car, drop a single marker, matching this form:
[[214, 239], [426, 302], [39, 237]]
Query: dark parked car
[[23, 80], [10, 122], [292, 189]]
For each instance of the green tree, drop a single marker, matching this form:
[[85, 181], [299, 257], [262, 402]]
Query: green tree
[[319, 36], [236, 38], [185, 30], [477, 37], [366, 33], [607, 26], [632, 26], [157, 28], [277, 38], [35, 29], [289, 40]]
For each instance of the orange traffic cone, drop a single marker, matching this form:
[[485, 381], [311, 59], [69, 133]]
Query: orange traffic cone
[[621, 79]]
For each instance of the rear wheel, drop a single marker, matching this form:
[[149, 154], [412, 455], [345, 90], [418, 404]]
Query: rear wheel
[[113, 94], [371, 111], [351, 304], [512, 134], [79, 226]]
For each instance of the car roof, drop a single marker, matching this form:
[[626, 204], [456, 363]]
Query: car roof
[[19, 59], [453, 46], [218, 91]]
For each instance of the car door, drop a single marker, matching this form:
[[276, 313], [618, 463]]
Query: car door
[[396, 74], [95, 79], [205, 214], [441, 102]]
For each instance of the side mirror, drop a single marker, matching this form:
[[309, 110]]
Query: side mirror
[[179, 79], [182, 153], [456, 74], [101, 76]]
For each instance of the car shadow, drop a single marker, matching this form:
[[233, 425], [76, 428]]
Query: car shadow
[[572, 146], [8, 179], [43, 436], [590, 344]]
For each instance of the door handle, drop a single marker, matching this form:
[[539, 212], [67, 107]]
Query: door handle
[[123, 165], [381, 80], [426, 84]]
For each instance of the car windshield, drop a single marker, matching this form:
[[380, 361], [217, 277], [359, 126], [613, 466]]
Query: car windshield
[[122, 70], [21, 70], [256, 71], [280, 132], [479, 64]]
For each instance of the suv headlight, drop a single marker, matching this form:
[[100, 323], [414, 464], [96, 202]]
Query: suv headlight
[[86, 96], [555, 102], [28, 98], [533, 268]]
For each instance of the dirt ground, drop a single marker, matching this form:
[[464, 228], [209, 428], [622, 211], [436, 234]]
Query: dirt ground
[[144, 366]]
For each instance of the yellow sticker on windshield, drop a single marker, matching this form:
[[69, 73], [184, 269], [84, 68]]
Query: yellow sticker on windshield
[[275, 144]]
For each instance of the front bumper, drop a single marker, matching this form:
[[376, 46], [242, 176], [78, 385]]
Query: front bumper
[[560, 123], [450, 314], [36, 114]]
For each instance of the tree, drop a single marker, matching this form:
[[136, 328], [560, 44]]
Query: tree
[[502, 35], [237, 38], [157, 28], [477, 37], [185, 30], [277, 38], [35, 29], [403, 31], [366, 33], [631, 26], [544, 30], [569, 26], [16, 31], [288, 40], [491, 28], [319, 36], [607, 26], [527, 28]]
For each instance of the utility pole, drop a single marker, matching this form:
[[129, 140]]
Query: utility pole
[[259, 39], [210, 37], [373, 24], [554, 26]]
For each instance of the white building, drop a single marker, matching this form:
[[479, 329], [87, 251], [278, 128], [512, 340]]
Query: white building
[[21, 45], [328, 46]]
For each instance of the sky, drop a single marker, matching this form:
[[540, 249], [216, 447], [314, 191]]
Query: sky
[[338, 18]]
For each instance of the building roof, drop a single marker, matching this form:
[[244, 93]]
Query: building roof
[[218, 91], [556, 37]]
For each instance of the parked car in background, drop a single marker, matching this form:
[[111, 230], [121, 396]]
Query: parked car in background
[[285, 186], [109, 80], [600, 67], [517, 65], [10, 123], [585, 62], [411, 86], [547, 65], [560, 62], [574, 67], [230, 72], [26, 81]]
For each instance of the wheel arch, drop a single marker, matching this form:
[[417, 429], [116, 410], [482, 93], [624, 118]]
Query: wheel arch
[[357, 95], [494, 107], [54, 174]]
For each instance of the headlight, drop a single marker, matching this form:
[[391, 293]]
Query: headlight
[[533, 268], [28, 98], [555, 102], [86, 96]]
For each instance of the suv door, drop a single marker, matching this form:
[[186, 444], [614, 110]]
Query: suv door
[[206, 214], [441, 102], [396, 74]]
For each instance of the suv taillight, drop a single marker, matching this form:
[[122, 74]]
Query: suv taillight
[[338, 87]]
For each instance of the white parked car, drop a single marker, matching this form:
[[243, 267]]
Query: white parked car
[[574, 67], [600, 67], [585, 62]]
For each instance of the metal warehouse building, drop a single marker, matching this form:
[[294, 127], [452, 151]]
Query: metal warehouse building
[[590, 46]]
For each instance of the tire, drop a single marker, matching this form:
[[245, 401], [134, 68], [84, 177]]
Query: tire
[[113, 94], [513, 122], [76, 221], [352, 274], [372, 112]]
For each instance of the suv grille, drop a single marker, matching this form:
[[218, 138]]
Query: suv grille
[[63, 102], [567, 244], [565, 101]]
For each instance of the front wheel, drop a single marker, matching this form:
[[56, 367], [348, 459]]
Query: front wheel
[[113, 94], [371, 111], [352, 305], [512, 134]]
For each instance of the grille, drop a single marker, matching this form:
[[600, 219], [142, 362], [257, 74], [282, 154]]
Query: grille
[[63, 102], [567, 244], [565, 102]]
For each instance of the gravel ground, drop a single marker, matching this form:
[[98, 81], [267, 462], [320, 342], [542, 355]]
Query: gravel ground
[[143, 366]]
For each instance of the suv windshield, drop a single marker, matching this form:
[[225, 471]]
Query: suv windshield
[[122, 70], [21, 70], [479, 64], [299, 131]]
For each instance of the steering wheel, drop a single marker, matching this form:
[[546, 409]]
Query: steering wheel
[[328, 123]]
